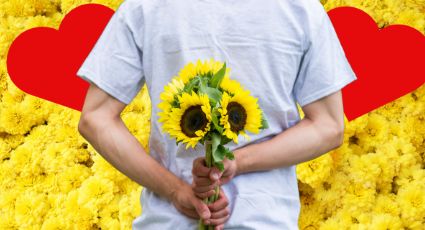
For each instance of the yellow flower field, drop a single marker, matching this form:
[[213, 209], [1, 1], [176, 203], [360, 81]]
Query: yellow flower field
[[50, 178]]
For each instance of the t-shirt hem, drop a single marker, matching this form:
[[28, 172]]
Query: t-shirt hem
[[326, 91], [85, 75]]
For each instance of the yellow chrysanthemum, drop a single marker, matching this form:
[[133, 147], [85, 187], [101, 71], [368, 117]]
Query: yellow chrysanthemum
[[206, 68], [191, 121], [239, 112]]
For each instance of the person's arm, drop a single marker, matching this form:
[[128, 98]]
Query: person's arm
[[320, 131], [101, 125]]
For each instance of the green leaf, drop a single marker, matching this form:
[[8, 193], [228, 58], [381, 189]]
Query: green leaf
[[216, 139], [230, 155], [221, 153], [219, 165], [175, 103], [225, 140], [226, 152], [214, 117], [193, 83], [218, 77], [264, 123], [213, 94]]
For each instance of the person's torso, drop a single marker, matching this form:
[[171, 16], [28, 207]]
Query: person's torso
[[263, 44]]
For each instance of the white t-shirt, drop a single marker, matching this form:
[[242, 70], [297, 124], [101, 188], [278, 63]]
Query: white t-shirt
[[283, 51]]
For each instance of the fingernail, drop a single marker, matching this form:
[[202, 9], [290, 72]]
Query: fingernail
[[215, 176], [205, 215]]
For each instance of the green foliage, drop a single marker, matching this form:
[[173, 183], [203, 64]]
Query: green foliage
[[209, 84], [219, 165], [219, 152], [192, 85], [216, 139], [213, 93], [225, 140], [218, 77], [264, 123], [215, 119]]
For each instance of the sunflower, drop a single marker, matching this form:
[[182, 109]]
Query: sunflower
[[205, 68], [191, 121], [171, 90], [239, 113], [230, 86], [169, 98]]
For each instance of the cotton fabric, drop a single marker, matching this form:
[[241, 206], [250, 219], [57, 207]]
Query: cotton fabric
[[285, 52]]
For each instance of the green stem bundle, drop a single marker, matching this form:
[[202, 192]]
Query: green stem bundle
[[209, 163]]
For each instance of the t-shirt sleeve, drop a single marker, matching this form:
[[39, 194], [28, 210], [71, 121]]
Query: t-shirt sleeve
[[324, 68], [115, 63]]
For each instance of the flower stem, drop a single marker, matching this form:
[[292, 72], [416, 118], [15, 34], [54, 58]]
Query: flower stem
[[211, 199], [208, 153]]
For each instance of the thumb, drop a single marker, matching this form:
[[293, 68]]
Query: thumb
[[215, 174], [202, 209]]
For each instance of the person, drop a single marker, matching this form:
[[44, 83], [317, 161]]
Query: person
[[284, 52]]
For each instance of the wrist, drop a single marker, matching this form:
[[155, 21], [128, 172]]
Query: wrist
[[175, 189], [239, 155], [244, 158], [236, 163]]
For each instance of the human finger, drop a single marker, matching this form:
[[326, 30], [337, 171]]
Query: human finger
[[221, 213], [201, 208], [192, 213], [218, 221], [199, 169], [219, 204], [203, 181], [201, 189], [204, 195], [215, 174], [224, 180], [219, 227]]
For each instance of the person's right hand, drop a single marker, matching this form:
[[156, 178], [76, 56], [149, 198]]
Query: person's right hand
[[187, 203]]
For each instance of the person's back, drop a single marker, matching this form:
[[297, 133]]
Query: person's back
[[282, 51]]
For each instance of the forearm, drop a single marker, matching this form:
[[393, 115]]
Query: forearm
[[302, 142], [120, 148]]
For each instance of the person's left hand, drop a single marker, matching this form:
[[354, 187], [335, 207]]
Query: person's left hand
[[206, 179]]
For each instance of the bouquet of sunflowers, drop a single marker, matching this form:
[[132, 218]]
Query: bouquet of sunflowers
[[203, 105]]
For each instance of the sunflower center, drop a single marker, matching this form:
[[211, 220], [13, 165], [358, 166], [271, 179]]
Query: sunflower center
[[193, 119], [237, 116]]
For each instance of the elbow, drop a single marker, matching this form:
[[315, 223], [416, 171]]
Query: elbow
[[84, 125], [338, 135], [90, 123]]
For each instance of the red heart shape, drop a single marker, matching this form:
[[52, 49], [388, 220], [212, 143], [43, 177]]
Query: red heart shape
[[388, 62], [44, 61]]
